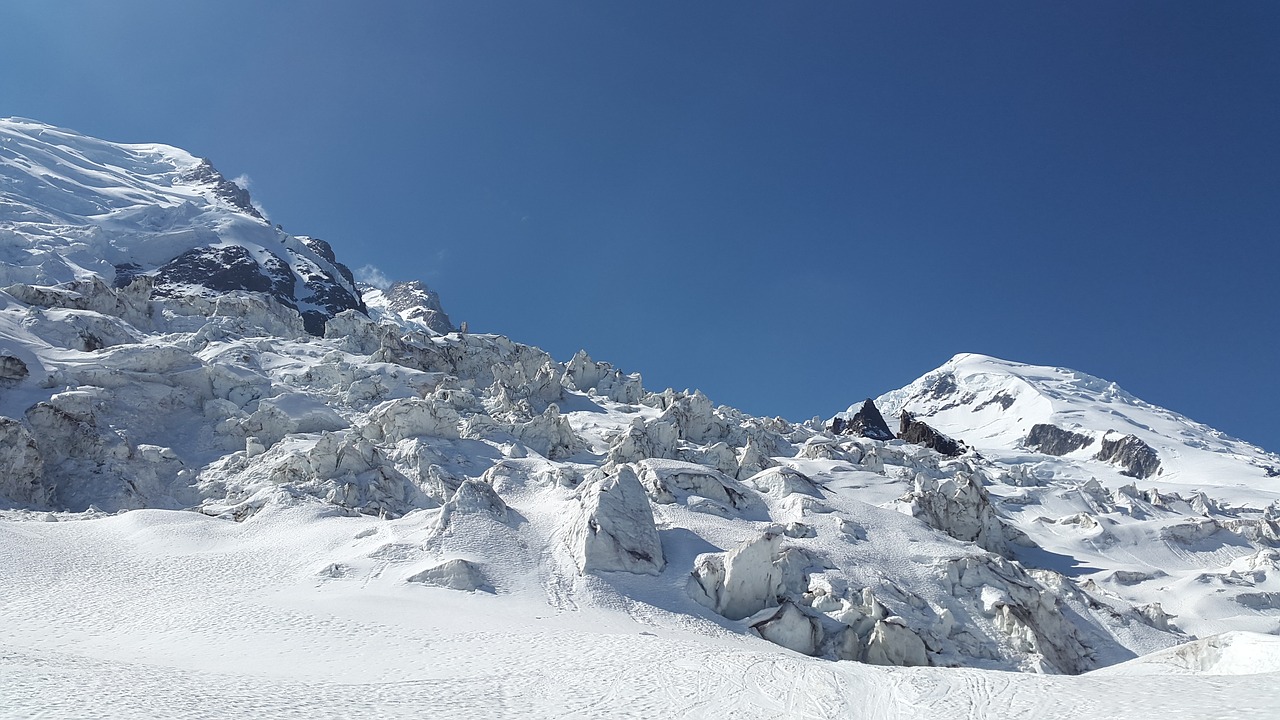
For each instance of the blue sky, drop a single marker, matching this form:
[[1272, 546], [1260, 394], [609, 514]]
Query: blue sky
[[791, 206]]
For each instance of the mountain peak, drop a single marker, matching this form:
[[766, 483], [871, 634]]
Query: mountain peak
[[1003, 407], [75, 206]]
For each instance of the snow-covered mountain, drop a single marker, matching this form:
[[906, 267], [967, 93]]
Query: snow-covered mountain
[[1130, 500], [80, 209], [224, 464]]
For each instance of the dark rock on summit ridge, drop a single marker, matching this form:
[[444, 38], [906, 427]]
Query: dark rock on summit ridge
[[867, 423], [224, 189], [917, 432]]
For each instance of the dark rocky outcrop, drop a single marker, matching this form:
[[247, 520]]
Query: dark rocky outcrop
[[945, 385], [1138, 459], [126, 273], [1002, 399], [917, 432], [231, 268], [1053, 440], [867, 423], [224, 189], [224, 269], [325, 250]]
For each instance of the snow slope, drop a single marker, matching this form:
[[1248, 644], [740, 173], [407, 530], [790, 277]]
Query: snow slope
[[163, 614], [211, 505]]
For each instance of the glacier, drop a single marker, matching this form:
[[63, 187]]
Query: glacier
[[225, 463]]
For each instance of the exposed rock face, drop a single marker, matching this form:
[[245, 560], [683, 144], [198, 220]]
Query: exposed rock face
[[867, 423], [224, 189], [21, 466], [917, 432], [233, 267], [614, 530], [1136, 457], [325, 250], [1053, 440]]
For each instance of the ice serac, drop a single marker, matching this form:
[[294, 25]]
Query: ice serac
[[893, 643], [792, 628], [961, 507], [614, 529], [12, 370], [410, 304], [21, 466], [742, 582]]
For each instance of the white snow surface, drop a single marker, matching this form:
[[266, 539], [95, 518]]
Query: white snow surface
[[206, 512]]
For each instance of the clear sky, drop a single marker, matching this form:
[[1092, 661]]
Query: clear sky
[[791, 206]]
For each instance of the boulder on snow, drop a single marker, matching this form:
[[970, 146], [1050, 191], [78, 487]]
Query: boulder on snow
[[614, 529]]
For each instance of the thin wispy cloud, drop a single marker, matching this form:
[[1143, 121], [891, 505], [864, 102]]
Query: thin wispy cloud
[[370, 275]]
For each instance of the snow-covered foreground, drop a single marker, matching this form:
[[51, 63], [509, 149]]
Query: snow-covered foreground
[[157, 613]]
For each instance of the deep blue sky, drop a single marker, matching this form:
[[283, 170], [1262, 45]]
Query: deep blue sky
[[789, 205]]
